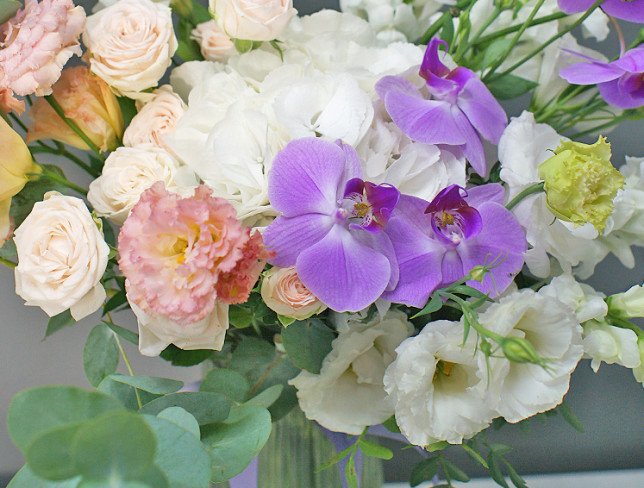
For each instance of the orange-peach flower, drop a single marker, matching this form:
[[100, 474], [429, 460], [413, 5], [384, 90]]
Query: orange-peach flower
[[286, 295], [88, 101], [9, 103]]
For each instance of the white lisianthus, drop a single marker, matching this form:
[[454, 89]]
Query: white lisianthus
[[130, 45], [348, 394], [214, 44], [157, 332], [638, 371], [253, 20], [156, 119], [524, 389], [332, 106], [61, 257], [581, 298], [128, 172], [437, 386], [524, 145], [611, 345], [628, 304]]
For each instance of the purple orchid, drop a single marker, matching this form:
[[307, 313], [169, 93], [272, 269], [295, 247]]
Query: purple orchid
[[440, 242], [631, 10], [331, 224], [460, 112], [621, 82]]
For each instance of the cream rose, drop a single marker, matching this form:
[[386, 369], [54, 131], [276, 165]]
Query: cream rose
[[214, 43], [286, 295], [61, 257], [253, 20], [157, 332], [130, 44], [128, 172], [155, 119]]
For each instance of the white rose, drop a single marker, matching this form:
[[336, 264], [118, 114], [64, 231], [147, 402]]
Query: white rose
[[253, 20], [130, 44], [285, 294], [156, 119], [157, 332], [525, 389], [608, 344], [61, 257], [128, 172], [214, 43], [348, 394]]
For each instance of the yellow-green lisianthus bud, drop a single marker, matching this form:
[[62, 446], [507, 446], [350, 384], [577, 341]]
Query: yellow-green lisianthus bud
[[581, 183], [520, 350], [628, 304]]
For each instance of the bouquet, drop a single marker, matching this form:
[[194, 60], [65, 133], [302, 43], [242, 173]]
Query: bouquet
[[332, 213]]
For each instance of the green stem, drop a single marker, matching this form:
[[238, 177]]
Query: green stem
[[65, 153], [488, 22], [625, 324], [599, 127], [130, 371], [541, 47], [72, 125], [434, 28], [509, 30], [531, 190], [515, 40], [7, 263], [63, 181]]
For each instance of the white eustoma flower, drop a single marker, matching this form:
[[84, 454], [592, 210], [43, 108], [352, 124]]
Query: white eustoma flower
[[525, 389], [348, 394], [524, 145], [581, 298], [638, 371], [438, 387], [61, 257], [612, 345], [629, 303]]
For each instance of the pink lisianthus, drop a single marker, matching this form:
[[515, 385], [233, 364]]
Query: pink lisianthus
[[173, 251], [36, 43]]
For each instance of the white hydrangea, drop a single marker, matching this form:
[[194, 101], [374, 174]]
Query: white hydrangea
[[437, 386], [525, 389], [348, 394]]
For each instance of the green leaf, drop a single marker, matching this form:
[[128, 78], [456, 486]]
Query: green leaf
[[125, 394], [151, 384], [447, 31], [434, 305], [128, 109], [58, 322], [240, 317], [499, 449], [179, 357], [233, 446], [180, 455], [8, 251], [205, 406], [35, 411], [516, 479], [510, 86], [350, 473], [570, 417], [337, 457], [34, 191], [474, 454], [182, 418], [391, 425], [100, 355], [115, 446], [438, 446], [115, 302], [49, 455], [454, 471], [8, 8], [307, 343], [229, 383], [199, 14], [128, 335], [495, 470], [188, 49], [494, 51], [285, 321], [266, 398], [424, 471], [372, 449], [25, 478]]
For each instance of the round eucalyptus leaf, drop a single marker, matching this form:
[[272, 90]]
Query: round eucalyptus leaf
[[182, 418], [49, 455], [205, 406], [25, 478], [100, 355], [229, 383]]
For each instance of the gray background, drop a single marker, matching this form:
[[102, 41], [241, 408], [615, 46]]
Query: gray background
[[608, 403]]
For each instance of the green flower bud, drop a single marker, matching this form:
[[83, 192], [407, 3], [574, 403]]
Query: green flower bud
[[581, 183], [520, 350], [628, 304]]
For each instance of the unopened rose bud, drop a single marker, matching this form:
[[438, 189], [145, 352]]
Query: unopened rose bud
[[628, 304], [286, 295]]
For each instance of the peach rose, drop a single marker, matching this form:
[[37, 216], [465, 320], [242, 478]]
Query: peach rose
[[130, 44], [214, 43], [285, 294], [253, 20], [88, 101], [155, 119], [36, 44]]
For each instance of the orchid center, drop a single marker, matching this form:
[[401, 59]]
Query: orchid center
[[453, 219], [367, 205]]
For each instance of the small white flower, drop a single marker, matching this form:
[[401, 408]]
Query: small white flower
[[605, 343], [581, 298], [348, 394], [438, 387], [526, 389], [630, 303], [61, 257]]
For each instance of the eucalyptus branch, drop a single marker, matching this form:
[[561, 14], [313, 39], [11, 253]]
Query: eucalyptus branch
[[130, 371]]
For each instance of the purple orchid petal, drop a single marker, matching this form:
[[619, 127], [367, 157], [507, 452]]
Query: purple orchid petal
[[396, 84], [426, 121], [501, 244], [481, 108], [431, 61], [287, 237], [343, 273], [590, 73], [631, 11], [442, 88], [473, 147], [352, 165], [448, 198], [492, 192], [625, 92], [452, 268], [307, 176], [631, 61], [380, 242], [354, 185], [383, 199]]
